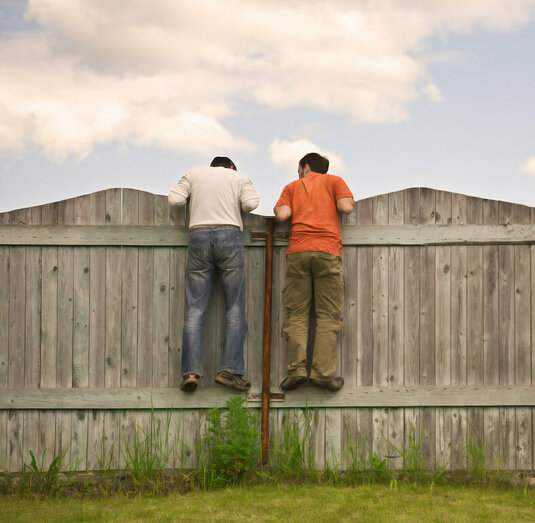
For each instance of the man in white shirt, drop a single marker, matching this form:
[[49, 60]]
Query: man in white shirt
[[216, 195]]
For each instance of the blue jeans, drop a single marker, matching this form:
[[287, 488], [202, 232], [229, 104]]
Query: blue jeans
[[220, 249]]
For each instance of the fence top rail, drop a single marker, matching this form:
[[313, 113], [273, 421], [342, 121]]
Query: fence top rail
[[176, 236]]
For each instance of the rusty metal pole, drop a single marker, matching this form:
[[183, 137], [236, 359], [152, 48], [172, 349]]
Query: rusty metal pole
[[266, 341]]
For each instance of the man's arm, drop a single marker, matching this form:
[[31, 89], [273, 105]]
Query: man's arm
[[180, 193], [345, 205], [248, 197], [282, 212]]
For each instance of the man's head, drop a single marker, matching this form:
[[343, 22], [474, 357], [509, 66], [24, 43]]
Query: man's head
[[315, 162], [223, 161]]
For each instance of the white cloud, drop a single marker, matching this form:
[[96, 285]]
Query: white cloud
[[528, 167], [169, 72], [286, 155], [433, 92]]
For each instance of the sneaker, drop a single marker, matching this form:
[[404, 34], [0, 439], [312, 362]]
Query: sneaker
[[291, 383], [236, 381], [334, 385], [190, 382]]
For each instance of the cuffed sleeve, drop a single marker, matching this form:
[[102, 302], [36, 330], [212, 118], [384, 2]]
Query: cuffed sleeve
[[248, 197], [180, 193]]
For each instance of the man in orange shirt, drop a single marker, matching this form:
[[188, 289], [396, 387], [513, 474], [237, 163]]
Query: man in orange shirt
[[314, 266]]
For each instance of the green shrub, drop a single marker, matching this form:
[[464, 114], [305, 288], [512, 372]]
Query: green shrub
[[231, 447]]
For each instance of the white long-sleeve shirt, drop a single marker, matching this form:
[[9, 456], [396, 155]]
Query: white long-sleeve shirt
[[216, 196]]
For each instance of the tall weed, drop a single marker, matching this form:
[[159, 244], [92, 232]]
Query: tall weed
[[230, 448], [293, 452], [37, 478]]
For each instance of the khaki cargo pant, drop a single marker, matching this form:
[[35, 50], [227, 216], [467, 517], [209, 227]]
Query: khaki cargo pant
[[317, 273]]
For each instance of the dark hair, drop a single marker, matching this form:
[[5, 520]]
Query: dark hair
[[223, 161], [317, 162]]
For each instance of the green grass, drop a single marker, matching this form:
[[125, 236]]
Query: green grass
[[367, 503]]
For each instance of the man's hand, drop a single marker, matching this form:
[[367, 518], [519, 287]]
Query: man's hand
[[282, 212], [345, 205]]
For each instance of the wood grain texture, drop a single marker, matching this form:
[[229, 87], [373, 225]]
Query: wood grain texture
[[391, 396], [172, 236], [438, 328]]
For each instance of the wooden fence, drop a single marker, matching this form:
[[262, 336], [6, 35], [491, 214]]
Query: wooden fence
[[438, 336]]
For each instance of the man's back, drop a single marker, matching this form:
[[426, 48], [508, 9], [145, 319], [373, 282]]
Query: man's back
[[216, 196], [315, 223]]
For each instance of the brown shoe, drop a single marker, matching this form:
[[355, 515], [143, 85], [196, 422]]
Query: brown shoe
[[291, 383], [334, 385], [229, 379]]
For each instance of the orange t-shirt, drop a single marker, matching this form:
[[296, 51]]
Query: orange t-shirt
[[315, 223]]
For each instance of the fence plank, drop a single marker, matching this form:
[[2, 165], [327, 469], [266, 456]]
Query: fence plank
[[255, 317], [4, 347], [333, 438], [380, 299], [395, 296], [97, 297], [491, 334], [49, 318], [63, 435], [97, 333], [365, 355], [427, 321], [129, 320], [17, 331], [65, 321], [145, 285], [81, 302], [380, 338], [411, 321], [160, 299], [443, 326], [412, 296], [348, 359], [112, 369], [45, 421], [32, 338], [32, 357], [396, 277], [129, 317], [459, 278], [81, 340], [522, 328], [279, 353], [474, 321], [507, 336], [190, 434], [177, 260]]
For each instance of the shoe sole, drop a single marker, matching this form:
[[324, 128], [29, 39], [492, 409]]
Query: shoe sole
[[292, 385], [231, 384], [327, 385], [189, 386]]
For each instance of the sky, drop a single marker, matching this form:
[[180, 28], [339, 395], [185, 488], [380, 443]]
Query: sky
[[396, 93]]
